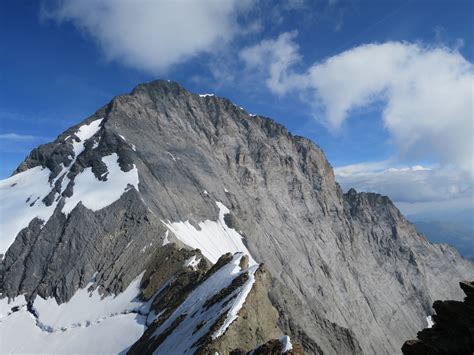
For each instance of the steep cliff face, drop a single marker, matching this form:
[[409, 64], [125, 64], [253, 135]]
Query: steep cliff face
[[164, 166]]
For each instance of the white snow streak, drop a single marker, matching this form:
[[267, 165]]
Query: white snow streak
[[430, 322], [197, 319], [237, 303], [213, 239], [130, 144], [165, 239]]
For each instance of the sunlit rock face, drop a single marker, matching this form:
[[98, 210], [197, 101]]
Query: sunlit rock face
[[128, 196]]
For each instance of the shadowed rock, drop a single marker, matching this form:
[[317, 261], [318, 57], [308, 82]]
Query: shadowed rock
[[453, 330]]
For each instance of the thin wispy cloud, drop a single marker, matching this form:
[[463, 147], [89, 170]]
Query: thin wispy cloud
[[17, 143], [20, 137]]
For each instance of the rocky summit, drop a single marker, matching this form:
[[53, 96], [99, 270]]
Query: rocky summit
[[175, 223]]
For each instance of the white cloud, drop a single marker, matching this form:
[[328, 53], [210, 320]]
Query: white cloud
[[415, 184], [276, 56], [427, 92], [152, 35]]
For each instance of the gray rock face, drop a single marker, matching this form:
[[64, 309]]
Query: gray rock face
[[351, 274]]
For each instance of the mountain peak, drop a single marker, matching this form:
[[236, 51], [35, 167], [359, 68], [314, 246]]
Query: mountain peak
[[159, 85], [156, 186]]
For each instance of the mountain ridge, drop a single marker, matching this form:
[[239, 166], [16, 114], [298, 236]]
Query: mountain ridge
[[332, 252]]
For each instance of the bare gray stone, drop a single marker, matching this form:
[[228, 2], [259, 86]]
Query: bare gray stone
[[351, 273]]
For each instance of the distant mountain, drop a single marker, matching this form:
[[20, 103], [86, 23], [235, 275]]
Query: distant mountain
[[175, 223], [455, 234]]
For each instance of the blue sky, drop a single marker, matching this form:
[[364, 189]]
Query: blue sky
[[62, 60]]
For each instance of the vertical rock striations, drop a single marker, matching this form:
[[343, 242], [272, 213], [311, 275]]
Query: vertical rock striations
[[154, 174]]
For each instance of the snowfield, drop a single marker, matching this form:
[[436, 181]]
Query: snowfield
[[112, 335], [213, 239], [96, 194], [87, 307], [85, 324]]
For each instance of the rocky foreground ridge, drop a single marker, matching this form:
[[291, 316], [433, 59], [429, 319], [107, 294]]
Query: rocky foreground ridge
[[129, 233], [452, 331]]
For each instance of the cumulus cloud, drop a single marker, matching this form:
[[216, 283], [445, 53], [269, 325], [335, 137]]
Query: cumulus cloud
[[152, 35], [427, 92], [277, 56], [413, 184]]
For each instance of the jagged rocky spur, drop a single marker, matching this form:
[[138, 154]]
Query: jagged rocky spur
[[134, 190], [452, 328]]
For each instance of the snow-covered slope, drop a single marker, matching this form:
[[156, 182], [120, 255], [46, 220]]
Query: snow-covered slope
[[213, 238], [20, 201], [86, 324]]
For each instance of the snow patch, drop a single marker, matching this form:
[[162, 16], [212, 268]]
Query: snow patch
[[214, 238], [165, 239], [192, 262], [172, 156], [85, 324], [146, 247], [205, 95], [430, 322], [96, 194], [21, 198], [96, 144], [84, 133], [286, 343], [130, 144]]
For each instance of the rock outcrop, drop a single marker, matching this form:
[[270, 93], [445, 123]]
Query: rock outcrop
[[452, 331], [162, 166]]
